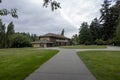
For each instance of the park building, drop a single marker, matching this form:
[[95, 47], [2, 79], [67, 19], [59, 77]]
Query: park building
[[51, 40]]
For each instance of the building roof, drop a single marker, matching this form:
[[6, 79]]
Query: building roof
[[54, 35], [41, 42]]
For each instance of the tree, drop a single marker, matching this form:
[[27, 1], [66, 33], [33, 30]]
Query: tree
[[34, 37], [19, 40], [109, 18], [12, 12], [4, 12], [100, 42], [118, 34], [54, 4], [117, 7], [10, 28], [10, 31], [95, 29], [105, 12], [117, 40], [85, 36], [2, 34], [62, 33], [75, 39]]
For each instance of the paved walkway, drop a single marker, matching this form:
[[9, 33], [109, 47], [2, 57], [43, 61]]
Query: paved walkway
[[66, 65], [109, 48]]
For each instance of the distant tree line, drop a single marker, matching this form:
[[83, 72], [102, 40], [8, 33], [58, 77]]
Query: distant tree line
[[101, 31], [9, 38]]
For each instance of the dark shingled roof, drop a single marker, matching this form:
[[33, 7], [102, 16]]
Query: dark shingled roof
[[41, 42], [54, 35]]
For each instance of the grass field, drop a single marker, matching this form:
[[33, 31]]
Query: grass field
[[83, 47], [105, 65], [16, 64]]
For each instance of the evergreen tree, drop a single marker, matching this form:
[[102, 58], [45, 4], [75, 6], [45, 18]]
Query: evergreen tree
[[118, 34], [118, 26], [62, 33], [2, 34], [34, 37], [75, 39], [105, 12], [109, 18], [95, 29], [10, 31], [85, 36], [10, 28]]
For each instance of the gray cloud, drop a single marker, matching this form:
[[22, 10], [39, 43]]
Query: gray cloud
[[34, 18]]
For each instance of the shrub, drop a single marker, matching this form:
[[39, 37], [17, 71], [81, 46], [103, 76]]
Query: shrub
[[110, 42], [116, 41], [100, 42], [19, 40], [87, 43]]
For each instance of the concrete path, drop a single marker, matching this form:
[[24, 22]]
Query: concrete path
[[109, 48], [66, 65]]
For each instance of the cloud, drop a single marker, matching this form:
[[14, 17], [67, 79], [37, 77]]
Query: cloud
[[77, 11], [34, 18]]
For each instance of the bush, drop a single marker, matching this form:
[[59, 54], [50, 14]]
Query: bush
[[100, 42], [110, 42], [87, 43], [116, 41], [19, 40]]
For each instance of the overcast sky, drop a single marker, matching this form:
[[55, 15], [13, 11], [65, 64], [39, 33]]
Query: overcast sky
[[35, 19]]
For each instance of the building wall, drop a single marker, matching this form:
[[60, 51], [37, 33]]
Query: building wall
[[56, 42], [48, 39], [45, 38], [36, 45]]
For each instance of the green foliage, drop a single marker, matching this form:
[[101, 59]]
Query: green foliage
[[109, 19], [75, 39], [100, 42], [118, 34], [110, 42], [34, 37], [103, 31], [5, 12], [116, 41], [2, 34], [5, 36], [95, 30], [54, 4], [87, 43], [12, 12], [8, 38], [10, 28], [62, 33], [19, 40], [10, 31], [85, 36]]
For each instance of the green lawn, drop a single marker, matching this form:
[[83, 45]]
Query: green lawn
[[105, 65], [83, 47], [16, 64]]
